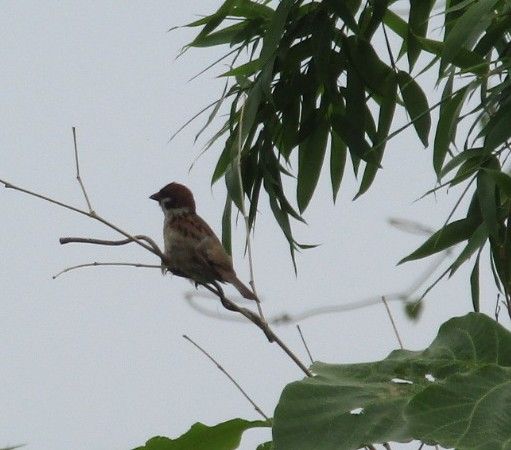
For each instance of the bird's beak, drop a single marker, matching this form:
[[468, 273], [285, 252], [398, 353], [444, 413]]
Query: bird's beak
[[155, 197]]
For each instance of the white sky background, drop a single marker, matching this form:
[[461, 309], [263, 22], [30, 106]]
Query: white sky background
[[95, 359]]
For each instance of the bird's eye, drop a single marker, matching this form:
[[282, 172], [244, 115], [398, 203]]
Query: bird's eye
[[167, 203]]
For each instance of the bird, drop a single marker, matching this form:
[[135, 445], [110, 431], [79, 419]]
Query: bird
[[192, 249]]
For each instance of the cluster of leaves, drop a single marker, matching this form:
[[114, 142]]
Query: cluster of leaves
[[481, 29], [313, 80], [308, 88], [456, 393]]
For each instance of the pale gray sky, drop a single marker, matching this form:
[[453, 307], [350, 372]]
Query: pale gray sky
[[95, 359]]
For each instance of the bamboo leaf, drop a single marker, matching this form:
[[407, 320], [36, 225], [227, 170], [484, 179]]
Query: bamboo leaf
[[387, 108], [452, 234], [310, 160], [467, 28], [337, 162], [487, 199], [447, 124], [417, 26], [416, 104], [474, 285]]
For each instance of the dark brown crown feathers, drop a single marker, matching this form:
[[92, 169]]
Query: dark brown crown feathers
[[177, 195]]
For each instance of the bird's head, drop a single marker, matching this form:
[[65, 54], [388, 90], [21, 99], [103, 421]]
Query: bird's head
[[174, 198]]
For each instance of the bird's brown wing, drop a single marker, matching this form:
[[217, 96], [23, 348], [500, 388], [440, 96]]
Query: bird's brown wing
[[210, 249]]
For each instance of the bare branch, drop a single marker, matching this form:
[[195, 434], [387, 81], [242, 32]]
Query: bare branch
[[256, 320], [141, 237], [389, 313], [259, 410], [96, 264], [78, 177], [92, 215], [304, 343]]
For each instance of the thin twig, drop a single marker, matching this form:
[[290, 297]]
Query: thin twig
[[95, 264], [383, 299], [78, 177], [389, 49], [244, 213], [304, 343], [204, 352]]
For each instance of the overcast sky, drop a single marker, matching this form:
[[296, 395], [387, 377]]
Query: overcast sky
[[95, 358]]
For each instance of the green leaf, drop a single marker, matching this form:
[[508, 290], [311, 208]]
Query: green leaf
[[251, 10], [503, 181], [477, 154], [498, 129], [379, 7], [224, 436], [469, 411], [228, 35], [409, 395], [311, 153], [275, 29], [474, 285], [371, 70], [447, 124], [467, 28], [475, 243], [416, 104], [223, 161], [417, 26], [452, 234], [486, 191], [387, 108], [226, 225], [211, 22], [266, 446], [343, 11], [246, 69], [337, 161], [465, 59]]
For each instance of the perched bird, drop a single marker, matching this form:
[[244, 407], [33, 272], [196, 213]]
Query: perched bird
[[192, 248]]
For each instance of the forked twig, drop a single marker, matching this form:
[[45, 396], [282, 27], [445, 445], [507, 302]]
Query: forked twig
[[93, 215], [219, 367], [78, 177]]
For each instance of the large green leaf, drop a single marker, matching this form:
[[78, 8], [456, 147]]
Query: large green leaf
[[464, 374], [469, 411], [224, 436]]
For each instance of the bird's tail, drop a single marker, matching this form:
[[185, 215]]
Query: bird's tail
[[243, 290]]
